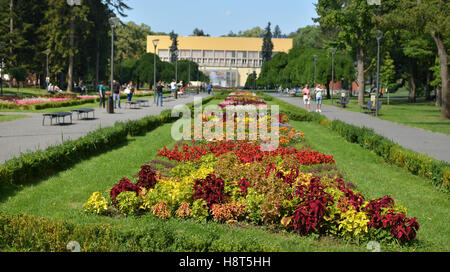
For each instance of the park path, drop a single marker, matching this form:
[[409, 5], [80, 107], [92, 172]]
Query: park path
[[28, 134], [435, 145]]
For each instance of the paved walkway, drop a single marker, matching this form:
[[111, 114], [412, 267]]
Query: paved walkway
[[28, 134], [435, 145]]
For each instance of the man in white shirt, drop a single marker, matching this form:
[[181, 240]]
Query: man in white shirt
[[173, 87], [318, 99]]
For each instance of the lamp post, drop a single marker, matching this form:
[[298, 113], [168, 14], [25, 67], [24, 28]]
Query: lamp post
[[155, 44], [71, 40], [47, 78], [315, 69], [113, 22], [333, 52], [379, 36], [1, 69], [189, 72], [176, 66]]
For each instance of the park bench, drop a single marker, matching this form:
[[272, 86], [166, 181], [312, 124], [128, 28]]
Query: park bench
[[377, 108], [85, 112], [57, 116], [368, 107], [344, 101], [132, 104], [143, 103]]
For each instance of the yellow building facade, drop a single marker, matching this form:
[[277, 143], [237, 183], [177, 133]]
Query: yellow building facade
[[228, 61]]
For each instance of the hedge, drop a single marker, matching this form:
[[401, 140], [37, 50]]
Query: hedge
[[28, 233], [42, 163], [438, 172]]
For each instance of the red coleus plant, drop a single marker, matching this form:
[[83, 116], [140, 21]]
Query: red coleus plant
[[123, 186], [309, 216], [382, 215], [147, 177], [210, 189]]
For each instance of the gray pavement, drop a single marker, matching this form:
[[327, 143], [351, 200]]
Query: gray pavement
[[28, 134], [435, 145]]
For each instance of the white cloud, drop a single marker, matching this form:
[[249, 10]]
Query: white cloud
[[227, 13]]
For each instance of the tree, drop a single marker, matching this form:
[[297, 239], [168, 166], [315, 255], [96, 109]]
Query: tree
[[199, 32], [174, 47], [267, 45], [433, 17], [254, 32], [355, 26], [277, 31], [387, 72], [131, 41], [311, 36]]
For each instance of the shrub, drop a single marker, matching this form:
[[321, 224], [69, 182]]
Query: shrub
[[147, 177], [96, 204], [160, 210], [128, 203], [124, 185], [200, 210], [228, 211], [184, 211], [210, 189]]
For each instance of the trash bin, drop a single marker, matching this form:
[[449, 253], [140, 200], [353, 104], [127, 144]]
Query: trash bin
[[110, 105]]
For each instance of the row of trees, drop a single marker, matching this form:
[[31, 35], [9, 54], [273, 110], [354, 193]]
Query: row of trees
[[141, 71], [414, 46], [76, 38]]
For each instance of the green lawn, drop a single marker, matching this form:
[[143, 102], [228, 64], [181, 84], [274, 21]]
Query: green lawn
[[422, 114], [6, 118], [61, 196]]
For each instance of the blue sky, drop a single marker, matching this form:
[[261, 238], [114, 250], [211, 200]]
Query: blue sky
[[218, 17]]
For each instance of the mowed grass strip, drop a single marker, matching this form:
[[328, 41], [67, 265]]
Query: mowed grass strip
[[7, 117], [422, 114]]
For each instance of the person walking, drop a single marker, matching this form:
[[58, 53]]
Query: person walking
[[306, 97], [318, 92], [102, 94], [159, 93], [116, 93], [209, 88]]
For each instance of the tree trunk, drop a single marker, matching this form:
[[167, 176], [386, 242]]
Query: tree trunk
[[443, 60], [70, 70], [438, 97], [412, 84], [428, 90], [97, 64], [11, 29], [361, 79]]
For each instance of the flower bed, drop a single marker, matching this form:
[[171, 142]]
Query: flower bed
[[234, 182]]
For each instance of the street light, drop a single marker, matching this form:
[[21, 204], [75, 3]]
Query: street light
[[47, 78], [333, 52], [1, 68], [176, 65], [155, 44], [315, 69], [379, 36], [114, 21], [71, 40]]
